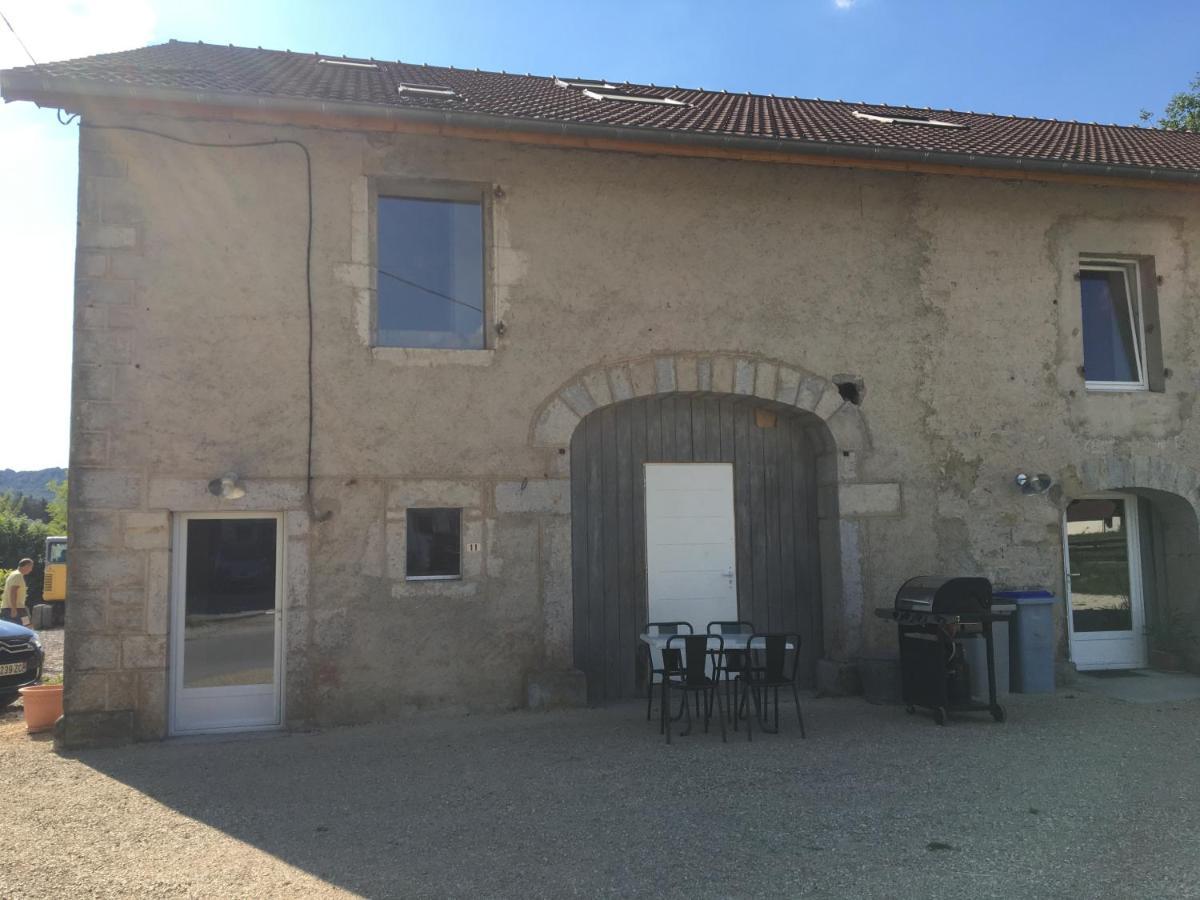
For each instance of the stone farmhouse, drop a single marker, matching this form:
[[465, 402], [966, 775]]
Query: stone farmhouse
[[399, 386]]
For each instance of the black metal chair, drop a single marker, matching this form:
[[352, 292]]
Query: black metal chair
[[768, 670], [733, 662], [654, 674], [686, 659]]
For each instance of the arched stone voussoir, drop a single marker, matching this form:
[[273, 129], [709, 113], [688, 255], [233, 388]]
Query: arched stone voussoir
[[555, 425], [644, 375], [665, 381], [597, 384], [719, 372], [1147, 472], [621, 383], [830, 403], [849, 429], [577, 396]]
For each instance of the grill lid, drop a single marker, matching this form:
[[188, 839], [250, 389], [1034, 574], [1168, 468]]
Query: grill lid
[[942, 594]]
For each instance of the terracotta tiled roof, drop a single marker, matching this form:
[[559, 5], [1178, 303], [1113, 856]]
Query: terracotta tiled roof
[[805, 123]]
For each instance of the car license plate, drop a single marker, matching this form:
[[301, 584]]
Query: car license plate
[[13, 668]]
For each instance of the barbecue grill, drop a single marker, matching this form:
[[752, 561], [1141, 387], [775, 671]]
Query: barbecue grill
[[933, 615]]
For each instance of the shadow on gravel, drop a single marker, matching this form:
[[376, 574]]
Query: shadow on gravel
[[501, 805], [874, 804]]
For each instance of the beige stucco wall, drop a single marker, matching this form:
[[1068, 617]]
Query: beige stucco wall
[[951, 297]]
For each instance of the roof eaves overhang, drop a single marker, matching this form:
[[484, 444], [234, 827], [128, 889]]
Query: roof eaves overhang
[[73, 94]]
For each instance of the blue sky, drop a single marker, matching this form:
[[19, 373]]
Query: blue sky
[[1099, 60]]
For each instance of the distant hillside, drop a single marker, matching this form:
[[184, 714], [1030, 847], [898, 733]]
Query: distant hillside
[[32, 484]]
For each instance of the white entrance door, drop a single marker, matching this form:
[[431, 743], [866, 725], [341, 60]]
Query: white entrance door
[[226, 634], [1104, 583], [690, 551]]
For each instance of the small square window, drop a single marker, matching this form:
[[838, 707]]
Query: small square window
[[434, 544], [1114, 333], [430, 272]]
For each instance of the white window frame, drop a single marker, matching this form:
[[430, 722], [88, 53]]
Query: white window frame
[[349, 63], [432, 90], [632, 98], [1137, 608], [1133, 295], [584, 83], [176, 633], [902, 120]]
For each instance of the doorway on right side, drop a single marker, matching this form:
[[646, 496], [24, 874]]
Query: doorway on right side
[[1106, 613]]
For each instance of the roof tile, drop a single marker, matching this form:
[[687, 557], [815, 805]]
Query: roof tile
[[271, 73]]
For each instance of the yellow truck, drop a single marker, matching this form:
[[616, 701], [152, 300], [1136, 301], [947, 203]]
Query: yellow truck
[[54, 581]]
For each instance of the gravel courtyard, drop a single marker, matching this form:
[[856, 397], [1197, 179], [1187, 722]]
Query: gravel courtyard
[[1076, 796]]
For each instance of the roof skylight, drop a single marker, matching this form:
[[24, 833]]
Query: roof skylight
[[353, 64], [584, 83], [905, 120], [430, 90], [596, 89], [631, 98]]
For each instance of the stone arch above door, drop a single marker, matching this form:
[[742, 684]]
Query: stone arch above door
[[778, 541], [1150, 472], [722, 373], [1168, 498], [846, 502]]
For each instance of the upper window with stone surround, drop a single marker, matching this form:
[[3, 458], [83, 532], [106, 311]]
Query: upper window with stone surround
[[1121, 349], [430, 270]]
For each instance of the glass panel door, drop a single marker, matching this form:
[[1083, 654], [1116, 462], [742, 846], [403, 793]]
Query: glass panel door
[[226, 635], [1107, 628]]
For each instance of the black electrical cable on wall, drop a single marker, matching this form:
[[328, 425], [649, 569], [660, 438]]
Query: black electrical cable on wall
[[18, 37], [308, 474]]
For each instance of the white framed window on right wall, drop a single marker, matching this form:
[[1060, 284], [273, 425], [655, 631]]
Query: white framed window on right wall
[[1121, 347]]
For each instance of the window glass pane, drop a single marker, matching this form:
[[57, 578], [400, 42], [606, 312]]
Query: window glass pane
[[1098, 549], [229, 626], [1108, 327], [434, 543], [430, 276], [56, 553]]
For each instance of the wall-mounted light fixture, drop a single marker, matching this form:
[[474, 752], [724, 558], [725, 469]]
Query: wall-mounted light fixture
[[227, 487], [1033, 484]]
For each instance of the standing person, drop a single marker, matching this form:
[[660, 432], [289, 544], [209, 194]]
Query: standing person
[[12, 604]]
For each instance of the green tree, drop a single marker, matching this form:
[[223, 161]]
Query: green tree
[[1182, 112], [57, 508], [16, 503], [22, 537]]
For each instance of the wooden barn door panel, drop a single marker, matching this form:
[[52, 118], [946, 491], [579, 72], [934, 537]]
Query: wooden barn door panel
[[777, 557]]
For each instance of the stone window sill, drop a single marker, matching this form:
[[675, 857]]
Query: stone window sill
[[421, 356]]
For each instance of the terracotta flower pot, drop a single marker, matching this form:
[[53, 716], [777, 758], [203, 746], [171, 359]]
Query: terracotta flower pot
[[43, 706]]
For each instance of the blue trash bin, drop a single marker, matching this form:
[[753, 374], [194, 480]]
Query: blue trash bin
[[1032, 636]]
